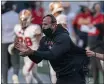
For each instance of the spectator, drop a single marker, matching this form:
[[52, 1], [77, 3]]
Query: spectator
[[83, 18], [95, 39], [9, 20], [37, 12]]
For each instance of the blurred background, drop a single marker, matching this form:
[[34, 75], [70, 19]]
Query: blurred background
[[74, 11]]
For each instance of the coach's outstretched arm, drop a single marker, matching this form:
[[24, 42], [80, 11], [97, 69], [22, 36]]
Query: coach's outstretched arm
[[61, 46]]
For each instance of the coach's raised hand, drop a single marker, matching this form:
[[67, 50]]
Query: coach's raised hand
[[24, 50]]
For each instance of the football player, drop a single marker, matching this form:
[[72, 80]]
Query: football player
[[56, 8], [28, 34]]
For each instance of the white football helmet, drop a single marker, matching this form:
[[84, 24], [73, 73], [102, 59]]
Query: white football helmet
[[55, 7], [25, 18]]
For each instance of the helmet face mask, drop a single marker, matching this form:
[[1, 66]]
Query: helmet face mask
[[25, 17]]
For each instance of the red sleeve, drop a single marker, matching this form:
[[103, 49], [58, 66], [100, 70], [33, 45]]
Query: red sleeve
[[75, 20], [98, 19]]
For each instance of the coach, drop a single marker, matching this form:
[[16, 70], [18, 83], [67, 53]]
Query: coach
[[57, 47]]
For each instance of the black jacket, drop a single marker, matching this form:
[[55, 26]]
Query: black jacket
[[60, 51]]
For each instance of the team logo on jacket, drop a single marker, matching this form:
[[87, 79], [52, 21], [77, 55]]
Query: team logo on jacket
[[49, 44]]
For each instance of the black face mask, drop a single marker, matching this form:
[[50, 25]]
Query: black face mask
[[48, 32]]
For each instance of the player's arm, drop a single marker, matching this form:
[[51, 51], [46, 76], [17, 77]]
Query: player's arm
[[11, 47]]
